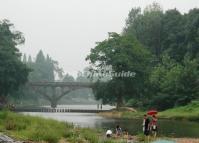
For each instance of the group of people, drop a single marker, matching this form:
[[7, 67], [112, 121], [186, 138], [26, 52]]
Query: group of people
[[118, 132], [149, 128], [150, 125]]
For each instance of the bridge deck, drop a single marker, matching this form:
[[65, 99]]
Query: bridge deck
[[60, 84]]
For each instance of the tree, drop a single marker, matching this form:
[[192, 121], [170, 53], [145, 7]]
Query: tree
[[122, 53], [146, 27], [24, 60], [192, 33], [68, 78], [174, 84], [172, 38], [174, 35], [29, 59], [43, 68], [13, 72]]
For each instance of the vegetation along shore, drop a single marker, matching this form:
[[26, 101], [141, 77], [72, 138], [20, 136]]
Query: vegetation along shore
[[39, 130], [189, 112]]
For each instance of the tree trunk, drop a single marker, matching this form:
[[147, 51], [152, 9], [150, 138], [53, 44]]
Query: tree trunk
[[3, 101], [119, 102]]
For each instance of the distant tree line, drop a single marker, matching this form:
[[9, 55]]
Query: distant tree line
[[162, 48], [45, 69]]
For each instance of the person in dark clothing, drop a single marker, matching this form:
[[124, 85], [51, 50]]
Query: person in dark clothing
[[146, 127], [118, 130]]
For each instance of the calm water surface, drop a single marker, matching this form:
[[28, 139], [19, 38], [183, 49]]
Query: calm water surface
[[133, 126]]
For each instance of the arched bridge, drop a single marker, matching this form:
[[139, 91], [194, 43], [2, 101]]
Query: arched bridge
[[54, 91]]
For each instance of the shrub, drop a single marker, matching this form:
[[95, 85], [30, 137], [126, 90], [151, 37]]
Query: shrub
[[89, 135], [41, 134]]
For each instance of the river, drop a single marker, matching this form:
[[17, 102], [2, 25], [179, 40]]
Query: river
[[167, 128]]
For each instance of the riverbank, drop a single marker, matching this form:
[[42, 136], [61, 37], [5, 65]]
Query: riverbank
[[39, 130], [36, 129], [189, 112], [30, 129]]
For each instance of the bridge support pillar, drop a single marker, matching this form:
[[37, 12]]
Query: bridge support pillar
[[53, 100], [53, 103], [54, 97]]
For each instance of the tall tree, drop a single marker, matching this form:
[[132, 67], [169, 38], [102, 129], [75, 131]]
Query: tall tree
[[24, 60], [29, 59], [174, 84], [13, 72], [192, 33], [43, 68], [173, 42], [122, 53], [147, 27]]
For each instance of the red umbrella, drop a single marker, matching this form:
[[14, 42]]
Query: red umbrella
[[152, 112]]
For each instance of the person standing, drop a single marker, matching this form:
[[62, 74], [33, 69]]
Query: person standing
[[146, 127], [153, 125]]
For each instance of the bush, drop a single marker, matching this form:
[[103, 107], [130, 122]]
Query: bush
[[134, 103], [163, 102], [89, 135], [10, 125], [41, 134], [14, 122]]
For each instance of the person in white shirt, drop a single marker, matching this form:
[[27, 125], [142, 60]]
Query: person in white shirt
[[109, 133]]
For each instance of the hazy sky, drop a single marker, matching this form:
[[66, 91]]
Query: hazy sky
[[68, 29]]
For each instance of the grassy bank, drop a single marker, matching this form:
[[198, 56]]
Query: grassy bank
[[189, 112], [40, 130], [122, 114], [36, 129]]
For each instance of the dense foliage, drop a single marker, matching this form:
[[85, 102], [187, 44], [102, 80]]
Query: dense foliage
[[13, 72], [170, 76], [43, 69], [122, 54]]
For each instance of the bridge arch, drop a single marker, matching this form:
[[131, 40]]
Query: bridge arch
[[65, 88]]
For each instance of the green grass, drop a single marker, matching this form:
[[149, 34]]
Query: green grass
[[24, 127], [32, 128], [37, 129], [189, 112], [135, 115]]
